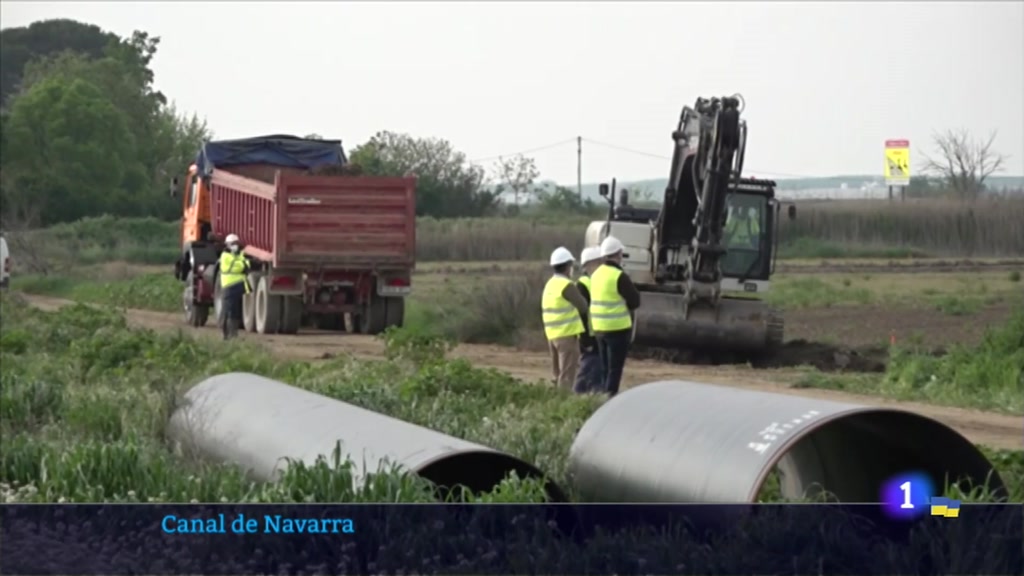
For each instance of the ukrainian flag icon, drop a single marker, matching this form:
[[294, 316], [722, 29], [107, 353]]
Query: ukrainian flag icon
[[953, 509], [941, 505]]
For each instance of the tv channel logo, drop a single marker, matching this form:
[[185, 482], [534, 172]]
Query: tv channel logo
[[908, 495]]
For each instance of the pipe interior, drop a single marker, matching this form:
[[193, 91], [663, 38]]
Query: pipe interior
[[852, 456], [482, 471]]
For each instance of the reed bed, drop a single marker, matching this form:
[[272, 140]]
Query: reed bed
[[826, 229]]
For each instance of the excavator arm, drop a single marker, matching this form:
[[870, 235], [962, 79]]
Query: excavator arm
[[707, 160]]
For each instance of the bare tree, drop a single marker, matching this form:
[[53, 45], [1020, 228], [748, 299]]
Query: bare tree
[[964, 162], [516, 175]]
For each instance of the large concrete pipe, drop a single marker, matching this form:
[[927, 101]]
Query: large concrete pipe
[[256, 422], [680, 441]]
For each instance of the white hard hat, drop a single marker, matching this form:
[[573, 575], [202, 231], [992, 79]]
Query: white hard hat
[[590, 254], [560, 256], [231, 239], [611, 245]]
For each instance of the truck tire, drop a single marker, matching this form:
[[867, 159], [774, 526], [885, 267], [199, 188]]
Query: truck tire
[[268, 309], [373, 317], [291, 314], [249, 304], [196, 315], [395, 315]]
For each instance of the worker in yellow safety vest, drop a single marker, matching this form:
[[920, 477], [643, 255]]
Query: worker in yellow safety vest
[[234, 284], [613, 298], [564, 312], [590, 377], [743, 228]]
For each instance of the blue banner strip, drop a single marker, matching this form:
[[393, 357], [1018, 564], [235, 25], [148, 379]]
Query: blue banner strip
[[93, 539]]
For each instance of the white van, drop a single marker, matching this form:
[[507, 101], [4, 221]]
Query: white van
[[5, 264]]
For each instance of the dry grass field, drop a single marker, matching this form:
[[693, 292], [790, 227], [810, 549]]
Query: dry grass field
[[822, 230]]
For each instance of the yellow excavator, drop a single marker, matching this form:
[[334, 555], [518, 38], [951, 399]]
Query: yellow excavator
[[705, 257]]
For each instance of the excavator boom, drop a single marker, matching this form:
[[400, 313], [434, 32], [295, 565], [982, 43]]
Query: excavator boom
[[683, 303]]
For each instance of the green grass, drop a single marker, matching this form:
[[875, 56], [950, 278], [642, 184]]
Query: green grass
[[157, 291], [66, 435], [67, 377], [805, 247], [810, 292], [989, 376]]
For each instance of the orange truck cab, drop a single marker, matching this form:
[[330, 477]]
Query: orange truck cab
[[322, 244], [195, 222]]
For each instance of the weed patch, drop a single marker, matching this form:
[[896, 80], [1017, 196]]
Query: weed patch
[[989, 376], [68, 376], [65, 435]]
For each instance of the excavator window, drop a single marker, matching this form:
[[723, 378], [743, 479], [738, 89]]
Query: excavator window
[[744, 235]]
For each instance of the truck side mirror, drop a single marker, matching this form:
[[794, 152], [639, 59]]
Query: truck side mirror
[[174, 187], [791, 212], [603, 190]]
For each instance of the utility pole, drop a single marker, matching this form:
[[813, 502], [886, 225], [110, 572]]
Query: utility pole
[[579, 167]]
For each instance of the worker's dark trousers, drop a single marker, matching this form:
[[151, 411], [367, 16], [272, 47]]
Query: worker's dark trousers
[[590, 378], [232, 304], [613, 348]]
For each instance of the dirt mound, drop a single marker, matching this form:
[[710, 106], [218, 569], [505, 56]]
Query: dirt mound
[[824, 357], [829, 358]]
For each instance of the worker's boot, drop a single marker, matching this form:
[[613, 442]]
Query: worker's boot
[[232, 328], [225, 329]]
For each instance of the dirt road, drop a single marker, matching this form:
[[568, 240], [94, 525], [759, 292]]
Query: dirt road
[[995, 430]]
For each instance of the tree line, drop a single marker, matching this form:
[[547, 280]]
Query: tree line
[[83, 132]]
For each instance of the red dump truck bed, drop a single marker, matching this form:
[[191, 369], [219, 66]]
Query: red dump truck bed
[[302, 221]]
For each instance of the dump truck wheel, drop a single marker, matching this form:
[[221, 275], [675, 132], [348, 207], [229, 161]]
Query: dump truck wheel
[[395, 314], [373, 317], [291, 314], [268, 309], [195, 314], [249, 304]]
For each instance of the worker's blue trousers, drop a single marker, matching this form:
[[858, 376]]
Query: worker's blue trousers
[[613, 347], [590, 378]]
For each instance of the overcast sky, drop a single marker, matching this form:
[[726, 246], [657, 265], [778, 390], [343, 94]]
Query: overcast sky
[[825, 83]]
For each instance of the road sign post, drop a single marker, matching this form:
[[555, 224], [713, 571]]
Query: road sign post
[[897, 164]]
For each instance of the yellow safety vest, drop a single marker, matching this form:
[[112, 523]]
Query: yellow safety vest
[[608, 310], [232, 269], [561, 319], [743, 231]]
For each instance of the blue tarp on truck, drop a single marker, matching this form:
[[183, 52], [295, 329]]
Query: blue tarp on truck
[[280, 150]]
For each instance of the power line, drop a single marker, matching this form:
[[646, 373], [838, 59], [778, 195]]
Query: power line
[[621, 149], [660, 157], [529, 151]]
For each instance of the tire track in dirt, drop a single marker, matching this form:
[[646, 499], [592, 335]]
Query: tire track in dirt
[[987, 428]]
